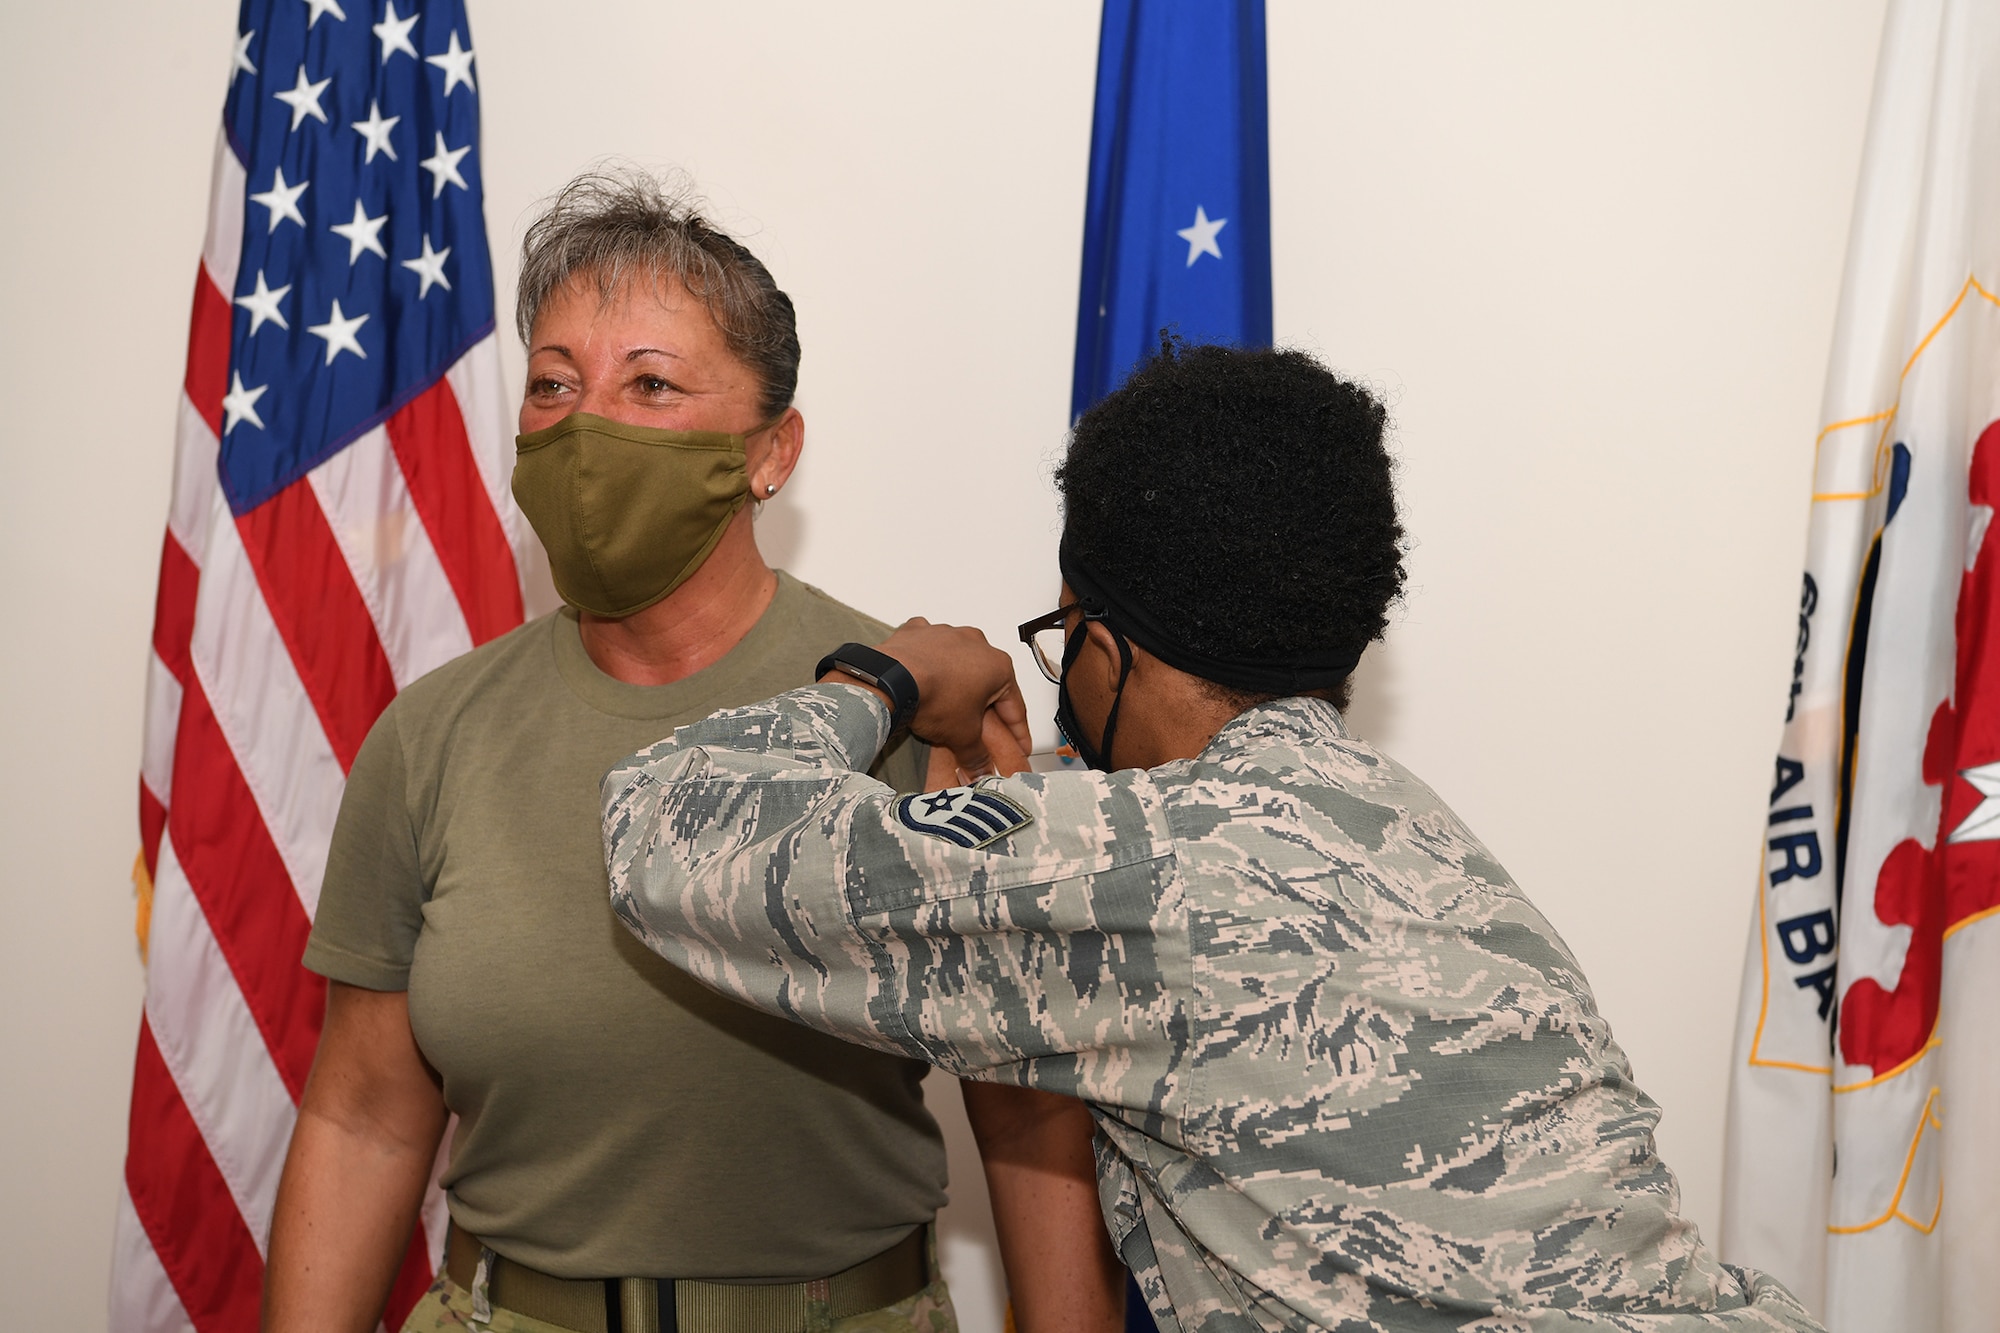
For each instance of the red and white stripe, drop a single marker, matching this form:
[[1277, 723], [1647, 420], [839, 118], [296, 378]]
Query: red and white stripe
[[278, 637]]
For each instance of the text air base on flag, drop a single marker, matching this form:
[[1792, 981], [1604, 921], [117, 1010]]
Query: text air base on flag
[[1862, 1165], [339, 525]]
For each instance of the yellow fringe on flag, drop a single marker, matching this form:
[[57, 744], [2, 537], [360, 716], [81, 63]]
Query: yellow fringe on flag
[[142, 889]]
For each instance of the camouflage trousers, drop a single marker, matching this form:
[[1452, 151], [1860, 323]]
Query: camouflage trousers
[[447, 1308]]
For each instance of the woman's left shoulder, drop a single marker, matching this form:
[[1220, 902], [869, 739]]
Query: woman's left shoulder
[[820, 614]]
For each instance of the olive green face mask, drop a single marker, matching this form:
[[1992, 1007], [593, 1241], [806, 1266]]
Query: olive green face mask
[[627, 512]]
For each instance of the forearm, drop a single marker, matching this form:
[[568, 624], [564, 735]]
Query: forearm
[[355, 1173], [832, 729], [697, 835], [927, 926], [346, 1204], [1062, 1274]]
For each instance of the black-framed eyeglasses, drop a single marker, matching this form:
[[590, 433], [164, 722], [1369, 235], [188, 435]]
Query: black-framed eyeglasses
[[1046, 637]]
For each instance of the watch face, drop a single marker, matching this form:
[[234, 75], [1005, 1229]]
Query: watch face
[[885, 673]]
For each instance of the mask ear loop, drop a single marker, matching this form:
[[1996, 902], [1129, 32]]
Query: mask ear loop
[[1118, 697], [1074, 648]]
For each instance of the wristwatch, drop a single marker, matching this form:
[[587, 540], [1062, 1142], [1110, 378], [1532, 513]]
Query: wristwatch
[[875, 667]]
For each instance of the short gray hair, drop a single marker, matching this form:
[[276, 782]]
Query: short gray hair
[[613, 225]]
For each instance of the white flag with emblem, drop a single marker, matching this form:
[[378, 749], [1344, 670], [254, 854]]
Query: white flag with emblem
[[1863, 1162]]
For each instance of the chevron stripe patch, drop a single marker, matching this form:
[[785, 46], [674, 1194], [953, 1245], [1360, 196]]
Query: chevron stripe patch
[[968, 816]]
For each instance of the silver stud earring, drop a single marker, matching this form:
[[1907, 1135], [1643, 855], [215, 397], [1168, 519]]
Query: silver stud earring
[[770, 489]]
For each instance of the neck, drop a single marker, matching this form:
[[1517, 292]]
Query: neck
[[695, 625], [1167, 715]]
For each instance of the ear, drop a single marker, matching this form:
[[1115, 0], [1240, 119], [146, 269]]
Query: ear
[[1101, 651], [772, 453]]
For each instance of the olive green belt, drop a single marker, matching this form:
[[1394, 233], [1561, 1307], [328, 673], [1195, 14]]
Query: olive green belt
[[640, 1304]]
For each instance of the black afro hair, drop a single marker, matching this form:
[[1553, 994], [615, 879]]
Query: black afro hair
[[1243, 498]]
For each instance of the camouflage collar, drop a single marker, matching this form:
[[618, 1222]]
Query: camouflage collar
[[1294, 720]]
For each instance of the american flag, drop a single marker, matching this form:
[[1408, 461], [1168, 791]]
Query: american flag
[[340, 524]]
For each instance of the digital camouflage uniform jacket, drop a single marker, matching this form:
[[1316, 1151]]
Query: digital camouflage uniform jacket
[[1344, 1074]]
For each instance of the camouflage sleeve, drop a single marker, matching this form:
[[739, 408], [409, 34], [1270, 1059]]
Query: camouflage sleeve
[[1007, 931]]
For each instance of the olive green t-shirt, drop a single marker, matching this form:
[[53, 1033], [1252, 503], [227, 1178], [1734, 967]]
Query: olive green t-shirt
[[615, 1118]]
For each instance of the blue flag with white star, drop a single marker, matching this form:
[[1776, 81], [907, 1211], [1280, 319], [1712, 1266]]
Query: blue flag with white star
[[1177, 225], [1177, 218]]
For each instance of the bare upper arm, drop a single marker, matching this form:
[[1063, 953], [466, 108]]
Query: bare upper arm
[[368, 1076]]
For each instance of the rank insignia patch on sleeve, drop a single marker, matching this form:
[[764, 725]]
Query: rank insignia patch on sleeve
[[968, 816]]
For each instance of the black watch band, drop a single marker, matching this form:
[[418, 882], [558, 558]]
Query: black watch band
[[882, 671]]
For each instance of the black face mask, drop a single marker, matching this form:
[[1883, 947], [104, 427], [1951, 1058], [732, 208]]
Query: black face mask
[[1099, 755]]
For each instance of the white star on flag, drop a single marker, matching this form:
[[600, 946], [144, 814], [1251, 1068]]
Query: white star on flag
[[239, 60], [1201, 236], [456, 63], [395, 33], [263, 306], [375, 130], [303, 99], [1983, 824], [282, 199], [444, 166], [240, 404], [430, 267], [363, 233], [339, 334], [319, 7]]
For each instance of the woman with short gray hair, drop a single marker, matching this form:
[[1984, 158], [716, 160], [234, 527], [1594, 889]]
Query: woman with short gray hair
[[610, 229], [631, 1152]]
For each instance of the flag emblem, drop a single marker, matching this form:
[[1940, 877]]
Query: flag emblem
[[1863, 1167], [968, 816]]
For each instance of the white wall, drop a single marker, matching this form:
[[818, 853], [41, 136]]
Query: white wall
[[1589, 252]]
